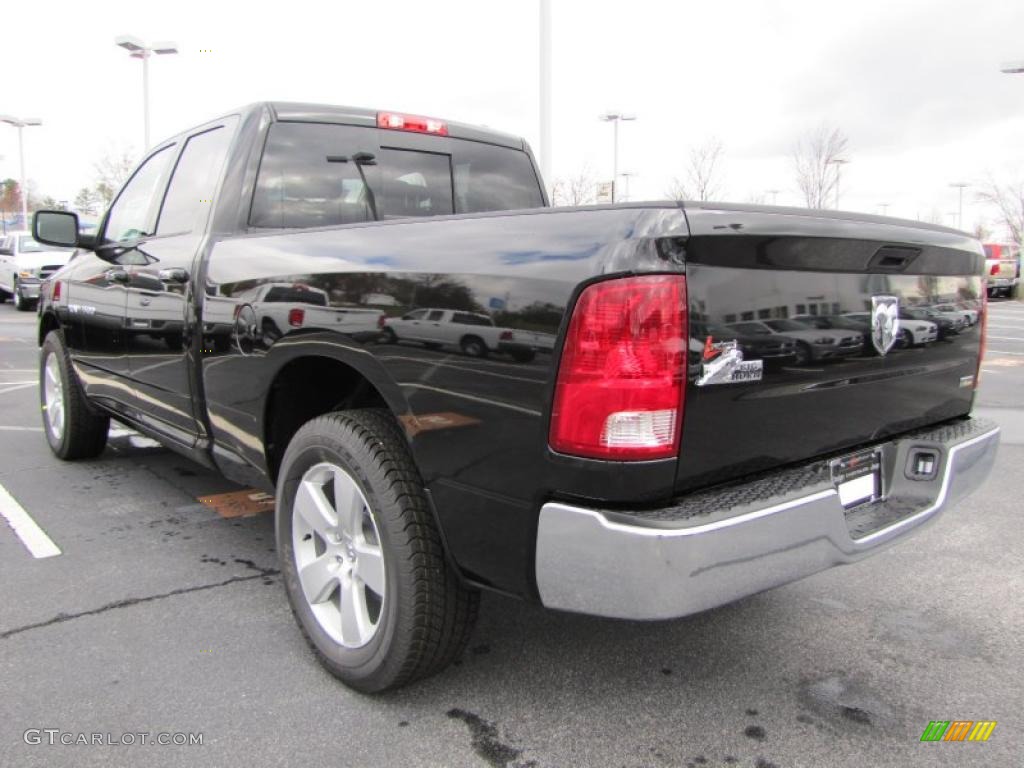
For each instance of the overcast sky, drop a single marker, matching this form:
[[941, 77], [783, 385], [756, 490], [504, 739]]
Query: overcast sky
[[915, 85]]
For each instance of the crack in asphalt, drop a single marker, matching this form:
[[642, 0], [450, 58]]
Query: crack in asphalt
[[130, 601]]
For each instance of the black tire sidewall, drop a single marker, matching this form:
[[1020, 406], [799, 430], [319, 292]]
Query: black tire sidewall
[[354, 665], [53, 346]]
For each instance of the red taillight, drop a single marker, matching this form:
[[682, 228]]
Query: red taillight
[[621, 381], [56, 291], [296, 317], [399, 122], [381, 321], [506, 336], [994, 270]]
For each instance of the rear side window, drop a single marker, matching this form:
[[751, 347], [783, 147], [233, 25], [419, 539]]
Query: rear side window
[[467, 319], [299, 186], [192, 185], [436, 314]]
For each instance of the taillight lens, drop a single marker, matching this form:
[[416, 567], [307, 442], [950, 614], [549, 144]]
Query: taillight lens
[[994, 270], [381, 321], [506, 336], [621, 381], [55, 297], [296, 317]]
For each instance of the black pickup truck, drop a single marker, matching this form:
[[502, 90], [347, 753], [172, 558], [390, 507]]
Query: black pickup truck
[[635, 465]]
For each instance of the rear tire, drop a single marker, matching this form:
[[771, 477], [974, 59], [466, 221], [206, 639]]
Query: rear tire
[[72, 428], [473, 346], [377, 548]]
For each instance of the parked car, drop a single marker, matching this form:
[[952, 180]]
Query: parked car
[[472, 332], [773, 349], [813, 344], [24, 264], [285, 306], [948, 324], [914, 332], [606, 478], [970, 316]]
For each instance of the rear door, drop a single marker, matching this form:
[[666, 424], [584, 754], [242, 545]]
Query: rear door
[[159, 335]]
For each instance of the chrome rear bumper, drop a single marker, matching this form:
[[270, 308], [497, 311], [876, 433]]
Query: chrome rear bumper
[[738, 541]]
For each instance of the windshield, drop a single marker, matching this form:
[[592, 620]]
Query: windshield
[[786, 325]]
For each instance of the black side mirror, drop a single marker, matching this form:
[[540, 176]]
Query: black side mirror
[[59, 228]]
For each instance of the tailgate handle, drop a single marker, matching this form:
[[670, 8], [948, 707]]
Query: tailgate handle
[[893, 258]]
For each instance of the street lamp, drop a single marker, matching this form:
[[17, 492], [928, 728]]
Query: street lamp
[[838, 163], [615, 118], [775, 194], [961, 186], [626, 175], [884, 207], [544, 92], [140, 50], [20, 124]]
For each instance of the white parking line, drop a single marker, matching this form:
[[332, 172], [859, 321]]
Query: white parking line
[[21, 429], [4, 389], [25, 528], [1008, 338], [1002, 352]]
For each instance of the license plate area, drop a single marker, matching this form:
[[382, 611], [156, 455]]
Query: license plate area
[[858, 478]]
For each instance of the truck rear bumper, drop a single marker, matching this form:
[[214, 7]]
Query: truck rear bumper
[[726, 544]]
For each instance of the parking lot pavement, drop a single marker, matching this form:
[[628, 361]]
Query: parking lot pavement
[[164, 614]]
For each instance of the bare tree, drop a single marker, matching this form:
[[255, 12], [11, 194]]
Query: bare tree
[[702, 180], [814, 164], [580, 189], [1008, 202], [981, 231], [112, 170]]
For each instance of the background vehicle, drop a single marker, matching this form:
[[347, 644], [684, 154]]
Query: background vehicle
[[913, 332], [474, 333], [773, 349], [970, 316], [24, 264], [812, 343], [405, 482], [1002, 269], [281, 306], [947, 324]]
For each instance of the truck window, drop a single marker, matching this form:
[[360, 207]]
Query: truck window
[[436, 314], [298, 187], [133, 214], [465, 318], [414, 184], [192, 185]]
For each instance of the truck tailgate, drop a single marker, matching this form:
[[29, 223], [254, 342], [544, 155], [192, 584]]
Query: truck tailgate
[[751, 266]]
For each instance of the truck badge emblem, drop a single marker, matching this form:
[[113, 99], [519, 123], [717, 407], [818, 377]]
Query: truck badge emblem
[[724, 364], [885, 322]]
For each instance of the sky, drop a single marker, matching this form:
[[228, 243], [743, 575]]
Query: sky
[[915, 86]]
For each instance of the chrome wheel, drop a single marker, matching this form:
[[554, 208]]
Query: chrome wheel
[[338, 555], [53, 397]]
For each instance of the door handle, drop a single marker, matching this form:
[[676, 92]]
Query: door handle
[[173, 275], [116, 275]]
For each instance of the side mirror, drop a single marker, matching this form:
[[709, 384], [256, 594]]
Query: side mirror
[[58, 228]]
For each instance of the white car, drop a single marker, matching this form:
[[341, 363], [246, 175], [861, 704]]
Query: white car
[[475, 334], [913, 332], [24, 265], [812, 343], [970, 315], [281, 307]]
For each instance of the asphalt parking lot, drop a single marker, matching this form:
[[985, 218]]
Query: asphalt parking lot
[[165, 614]]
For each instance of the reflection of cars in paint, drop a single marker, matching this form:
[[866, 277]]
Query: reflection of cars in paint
[[773, 349], [947, 325], [475, 334], [812, 344], [1002, 269], [970, 316], [24, 265], [598, 479], [914, 332], [283, 306]]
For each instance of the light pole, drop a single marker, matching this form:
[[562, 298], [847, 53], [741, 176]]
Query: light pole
[[21, 123], [615, 118], [626, 175], [545, 91], [961, 186], [140, 50], [884, 207], [838, 163], [775, 195]]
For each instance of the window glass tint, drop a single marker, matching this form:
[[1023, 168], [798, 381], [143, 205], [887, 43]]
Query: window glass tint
[[299, 187], [490, 178], [134, 213], [435, 315], [28, 244], [467, 319], [418, 314], [193, 182], [297, 296], [414, 184]]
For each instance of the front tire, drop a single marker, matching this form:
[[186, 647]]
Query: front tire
[[473, 346], [363, 564], [72, 428]]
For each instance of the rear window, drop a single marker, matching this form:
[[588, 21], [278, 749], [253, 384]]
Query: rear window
[[297, 296], [307, 178]]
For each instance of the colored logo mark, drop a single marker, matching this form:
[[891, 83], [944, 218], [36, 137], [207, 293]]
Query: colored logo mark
[[958, 730]]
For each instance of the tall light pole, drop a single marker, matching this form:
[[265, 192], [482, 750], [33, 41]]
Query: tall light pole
[[775, 195], [615, 118], [626, 176], [1013, 68], [21, 123], [885, 208], [545, 91], [961, 186], [838, 163], [140, 50]]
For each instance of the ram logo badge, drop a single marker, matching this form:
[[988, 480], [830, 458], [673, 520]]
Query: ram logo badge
[[885, 322], [724, 364]]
